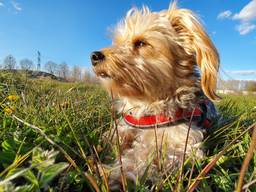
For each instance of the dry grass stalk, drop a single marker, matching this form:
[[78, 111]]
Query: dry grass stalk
[[210, 165], [184, 152], [247, 160], [113, 114]]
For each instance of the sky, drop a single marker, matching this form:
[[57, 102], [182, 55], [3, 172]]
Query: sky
[[69, 30]]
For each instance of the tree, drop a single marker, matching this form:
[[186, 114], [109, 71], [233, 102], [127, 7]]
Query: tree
[[76, 73], [88, 77], [51, 67], [9, 62], [251, 86], [26, 64], [63, 70]]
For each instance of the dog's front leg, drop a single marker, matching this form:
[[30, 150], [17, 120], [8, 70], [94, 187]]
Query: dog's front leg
[[126, 136]]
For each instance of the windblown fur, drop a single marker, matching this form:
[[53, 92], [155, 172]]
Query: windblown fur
[[158, 62]]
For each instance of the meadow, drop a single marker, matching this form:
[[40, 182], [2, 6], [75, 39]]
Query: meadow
[[51, 138]]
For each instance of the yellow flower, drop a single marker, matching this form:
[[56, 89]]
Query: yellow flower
[[8, 110], [99, 148], [90, 162], [13, 97]]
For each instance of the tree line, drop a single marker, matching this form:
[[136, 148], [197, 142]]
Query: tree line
[[75, 73], [237, 85], [62, 70]]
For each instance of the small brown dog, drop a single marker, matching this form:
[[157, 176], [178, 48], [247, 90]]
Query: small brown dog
[[162, 68]]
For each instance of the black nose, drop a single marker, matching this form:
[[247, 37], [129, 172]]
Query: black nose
[[97, 57]]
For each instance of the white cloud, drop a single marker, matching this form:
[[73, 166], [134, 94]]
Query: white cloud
[[245, 28], [248, 13], [1, 4], [16, 6], [224, 14], [246, 17], [242, 72]]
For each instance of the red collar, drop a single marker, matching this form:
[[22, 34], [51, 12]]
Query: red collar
[[160, 120]]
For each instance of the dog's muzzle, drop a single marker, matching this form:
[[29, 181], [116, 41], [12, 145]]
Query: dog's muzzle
[[97, 57]]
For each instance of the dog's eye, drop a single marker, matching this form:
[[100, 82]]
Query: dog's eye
[[139, 43]]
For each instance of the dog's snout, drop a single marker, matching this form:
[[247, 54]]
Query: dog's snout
[[97, 57]]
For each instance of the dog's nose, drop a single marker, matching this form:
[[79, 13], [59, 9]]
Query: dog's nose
[[97, 57]]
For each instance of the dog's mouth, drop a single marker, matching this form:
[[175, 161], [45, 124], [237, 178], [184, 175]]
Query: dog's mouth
[[103, 74]]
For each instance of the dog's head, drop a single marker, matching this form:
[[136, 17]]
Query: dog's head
[[155, 53]]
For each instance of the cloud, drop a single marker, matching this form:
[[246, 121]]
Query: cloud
[[1, 4], [242, 72], [213, 33], [245, 28], [224, 14], [16, 6], [246, 17], [248, 13]]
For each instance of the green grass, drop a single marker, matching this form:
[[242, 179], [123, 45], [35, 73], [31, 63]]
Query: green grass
[[73, 117]]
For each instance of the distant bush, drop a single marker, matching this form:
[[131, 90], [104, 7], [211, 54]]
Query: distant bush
[[251, 86]]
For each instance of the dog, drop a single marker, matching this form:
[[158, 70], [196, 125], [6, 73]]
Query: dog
[[161, 70]]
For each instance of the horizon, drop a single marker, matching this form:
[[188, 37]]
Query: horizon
[[69, 32]]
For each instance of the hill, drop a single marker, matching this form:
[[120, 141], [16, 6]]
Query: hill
[[33, 74]]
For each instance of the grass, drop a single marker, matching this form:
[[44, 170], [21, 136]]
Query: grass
[[51, 136]]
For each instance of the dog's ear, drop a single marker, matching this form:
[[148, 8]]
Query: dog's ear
[[193, 38]]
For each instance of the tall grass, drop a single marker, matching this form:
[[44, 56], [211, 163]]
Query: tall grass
[[51, 139]]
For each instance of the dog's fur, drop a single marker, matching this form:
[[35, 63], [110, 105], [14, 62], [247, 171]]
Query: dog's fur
[[159, 62]]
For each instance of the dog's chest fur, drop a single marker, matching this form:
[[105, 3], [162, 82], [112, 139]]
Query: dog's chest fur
[[148, 144]]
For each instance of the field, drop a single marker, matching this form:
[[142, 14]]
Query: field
[[51, 137]]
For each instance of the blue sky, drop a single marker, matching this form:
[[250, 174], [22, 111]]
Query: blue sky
[[69, 30]]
